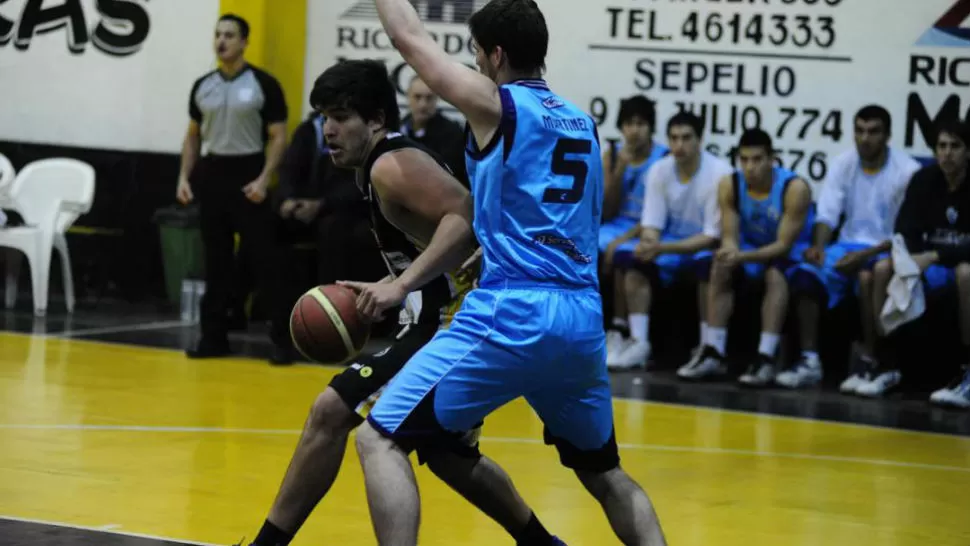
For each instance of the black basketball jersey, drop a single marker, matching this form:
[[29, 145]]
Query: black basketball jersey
[[438, 298]]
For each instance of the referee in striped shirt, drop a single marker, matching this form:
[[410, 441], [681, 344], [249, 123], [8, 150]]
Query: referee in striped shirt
[[235, 139]]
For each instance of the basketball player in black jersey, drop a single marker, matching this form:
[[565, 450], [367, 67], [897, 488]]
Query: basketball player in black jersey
[[422, 219]]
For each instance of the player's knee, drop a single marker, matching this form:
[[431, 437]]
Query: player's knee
[[865, 280], [330, 414], [962, 273], [635, 281], [369, 440], [448, 465], [721, 278], [775, 280], [882, 272]]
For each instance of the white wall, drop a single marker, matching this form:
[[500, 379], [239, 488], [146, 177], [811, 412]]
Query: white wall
[[123, 96], [805, 96]]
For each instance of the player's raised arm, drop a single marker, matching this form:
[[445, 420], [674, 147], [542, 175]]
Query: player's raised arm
[[474, 94]]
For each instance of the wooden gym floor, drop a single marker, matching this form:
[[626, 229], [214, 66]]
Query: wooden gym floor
[[107, 432]]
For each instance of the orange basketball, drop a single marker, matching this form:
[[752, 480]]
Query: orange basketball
[[326, 327]]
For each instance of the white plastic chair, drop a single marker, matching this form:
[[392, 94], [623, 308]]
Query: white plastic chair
[[7, 175], [50, 194]]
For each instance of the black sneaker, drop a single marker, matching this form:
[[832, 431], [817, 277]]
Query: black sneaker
[[760, 373], [708, 363]]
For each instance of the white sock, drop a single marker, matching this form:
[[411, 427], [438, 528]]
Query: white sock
[[704, 333], [639, 326], [717, 338], [768, 344], [620, 324], [811, 356]]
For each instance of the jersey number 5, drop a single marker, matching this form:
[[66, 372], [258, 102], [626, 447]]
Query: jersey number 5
[[576, 168]]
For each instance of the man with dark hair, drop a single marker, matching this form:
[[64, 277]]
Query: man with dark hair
[[235, 112], [765, 228], [421, 217], [863, 192], [934, 222], [425, 124], [624, 173], [534, 326], [679, 220]]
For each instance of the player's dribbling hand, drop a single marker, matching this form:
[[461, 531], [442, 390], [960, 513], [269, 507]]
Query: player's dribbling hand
[[373, 299]]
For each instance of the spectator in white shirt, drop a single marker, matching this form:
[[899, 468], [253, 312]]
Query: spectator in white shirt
[[679, 220], [864, 189]]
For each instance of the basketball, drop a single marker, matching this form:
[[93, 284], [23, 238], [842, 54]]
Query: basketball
[[325, 325]]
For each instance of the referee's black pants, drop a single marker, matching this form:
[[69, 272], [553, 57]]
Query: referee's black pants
[[224, 210]]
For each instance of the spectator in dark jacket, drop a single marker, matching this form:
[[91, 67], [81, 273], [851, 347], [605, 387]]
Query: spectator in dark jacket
[[426, 124], [934, 220], [314, 191]]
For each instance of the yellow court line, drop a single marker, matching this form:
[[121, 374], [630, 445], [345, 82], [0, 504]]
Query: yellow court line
[[496, 439], [617, 399]]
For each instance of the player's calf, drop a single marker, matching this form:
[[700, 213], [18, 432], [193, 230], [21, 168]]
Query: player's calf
[[487, 486], [773, 309], [392, 492], [634, 351], [872, 377], [312, 469], [957, 392], [709, 361], [627, 506]]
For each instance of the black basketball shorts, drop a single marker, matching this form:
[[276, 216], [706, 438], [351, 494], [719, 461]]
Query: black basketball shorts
[[361, 383]]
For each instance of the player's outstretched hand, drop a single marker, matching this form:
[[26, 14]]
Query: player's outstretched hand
[[373, 299]]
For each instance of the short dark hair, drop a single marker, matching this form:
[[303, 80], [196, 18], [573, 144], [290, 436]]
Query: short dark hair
[[363, 86], [518, 27], [689, 119], [637, 106], [876, 112], [756, 138], [240, 22], [955, 128]]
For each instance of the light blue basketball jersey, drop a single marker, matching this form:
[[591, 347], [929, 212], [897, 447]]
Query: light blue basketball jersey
[[538, 189], [635, 183], [760, 218]]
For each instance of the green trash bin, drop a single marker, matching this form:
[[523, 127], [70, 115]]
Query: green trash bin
[[182, 252]]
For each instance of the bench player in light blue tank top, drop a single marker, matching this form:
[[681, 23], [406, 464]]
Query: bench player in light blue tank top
[[766, 219], [533, 328], [625, 173]]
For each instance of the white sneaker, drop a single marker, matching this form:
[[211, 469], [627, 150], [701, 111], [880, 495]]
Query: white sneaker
[[759, 374], [635, 355], [613, 341], [853, 382], [614, 352], [859, 373], [956, 394], [705, 364], [807, 372], [879, 385]]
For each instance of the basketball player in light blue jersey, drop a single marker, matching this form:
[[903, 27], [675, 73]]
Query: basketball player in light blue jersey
[[624, 173], [766, 218], [534, 327]]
